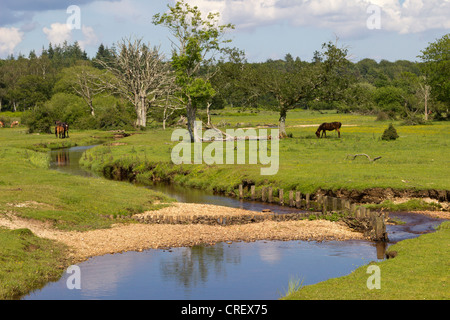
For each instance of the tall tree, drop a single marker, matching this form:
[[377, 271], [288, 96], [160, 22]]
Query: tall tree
[[139, 75], [196, 43], [82, 80], [436, 68]]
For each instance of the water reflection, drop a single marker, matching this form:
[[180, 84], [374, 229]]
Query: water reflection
[[67, 160], [257, 270]]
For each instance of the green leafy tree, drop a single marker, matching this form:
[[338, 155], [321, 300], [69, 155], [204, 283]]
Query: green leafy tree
[[197, 42], [436, 69], [81, 80]]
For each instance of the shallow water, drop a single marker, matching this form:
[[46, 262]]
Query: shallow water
[[235, 271], [243, 271]]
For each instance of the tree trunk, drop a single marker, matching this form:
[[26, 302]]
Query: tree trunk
[[191, 115], [426, 94], [141, 113], [282, 124], [208, 114]]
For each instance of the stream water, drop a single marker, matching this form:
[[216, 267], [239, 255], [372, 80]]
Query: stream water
[[225, 271]]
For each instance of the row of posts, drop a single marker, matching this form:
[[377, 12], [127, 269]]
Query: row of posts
[[324, 204]]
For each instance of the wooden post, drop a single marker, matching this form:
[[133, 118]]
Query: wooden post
[[263, 194], [363, 212], [252, 190], [334, 204], [281, 195], [353, 209], [298, 199], [270, 195], [291, 198], [358, 213], [324, 204], [241, 191], [319, 202], [307, 201]]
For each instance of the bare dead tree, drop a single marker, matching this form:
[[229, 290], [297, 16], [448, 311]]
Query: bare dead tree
[[139, 74], [86, 87]]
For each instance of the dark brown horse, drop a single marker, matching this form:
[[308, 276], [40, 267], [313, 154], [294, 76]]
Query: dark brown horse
[[328, 127]]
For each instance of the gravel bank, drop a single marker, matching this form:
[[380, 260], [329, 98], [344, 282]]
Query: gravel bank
[[136, 236]]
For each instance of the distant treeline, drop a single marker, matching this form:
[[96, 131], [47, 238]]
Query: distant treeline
[[63, 83]]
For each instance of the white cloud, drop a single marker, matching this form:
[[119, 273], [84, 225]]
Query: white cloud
[[90, 38], [9, 39], [58, 33], [341, 16]]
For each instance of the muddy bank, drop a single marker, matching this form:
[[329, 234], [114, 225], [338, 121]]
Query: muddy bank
[[378, 195]]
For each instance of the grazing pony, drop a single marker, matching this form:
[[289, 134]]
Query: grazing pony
[[328, 127], [2, 124], [14, 123], [61, 129]]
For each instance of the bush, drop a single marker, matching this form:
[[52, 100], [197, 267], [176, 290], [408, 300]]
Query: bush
[[390, 133]]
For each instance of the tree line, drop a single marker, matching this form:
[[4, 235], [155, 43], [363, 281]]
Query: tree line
[[134, 85]]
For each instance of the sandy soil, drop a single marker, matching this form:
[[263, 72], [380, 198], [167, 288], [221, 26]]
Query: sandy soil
[[136, 236]]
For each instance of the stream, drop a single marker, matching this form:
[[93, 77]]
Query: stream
[[258, 270]]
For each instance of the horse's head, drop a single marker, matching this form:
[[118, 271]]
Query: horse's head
[[318, 133]]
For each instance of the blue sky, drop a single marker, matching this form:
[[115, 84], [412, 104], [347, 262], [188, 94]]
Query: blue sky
[[377, 29]]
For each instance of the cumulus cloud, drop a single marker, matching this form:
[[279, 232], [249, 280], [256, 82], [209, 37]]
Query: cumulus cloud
[[9, 39], [90, 38], [342, 16], [58, 33]]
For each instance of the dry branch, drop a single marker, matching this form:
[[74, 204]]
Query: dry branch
[[362, 154]]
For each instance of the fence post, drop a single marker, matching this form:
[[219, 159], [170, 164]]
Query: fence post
[[252, 190], [291, 198], [270, 195], [319, 202], [263, 194], [241, 191], [324, 205], [281, 196], [334, 204], [298, 199], [307, 201], [353, 209]]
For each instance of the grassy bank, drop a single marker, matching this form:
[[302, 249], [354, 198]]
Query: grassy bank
[[414, 161], [27, 262], [419, 271], [29, 190]]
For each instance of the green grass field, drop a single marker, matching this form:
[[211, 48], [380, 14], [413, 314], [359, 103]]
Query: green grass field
[[28, 189], [418, 272], [416, 160]]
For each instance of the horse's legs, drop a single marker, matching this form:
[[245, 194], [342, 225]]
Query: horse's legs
[[339, 133]]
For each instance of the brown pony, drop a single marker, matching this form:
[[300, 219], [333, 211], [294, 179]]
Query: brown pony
[[328, 127], [15, 123], [2, 124], [60, 129]]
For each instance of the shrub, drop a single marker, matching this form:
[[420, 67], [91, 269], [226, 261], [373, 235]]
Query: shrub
[[390, 133]]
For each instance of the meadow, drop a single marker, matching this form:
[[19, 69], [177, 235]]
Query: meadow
[[417, 160]]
